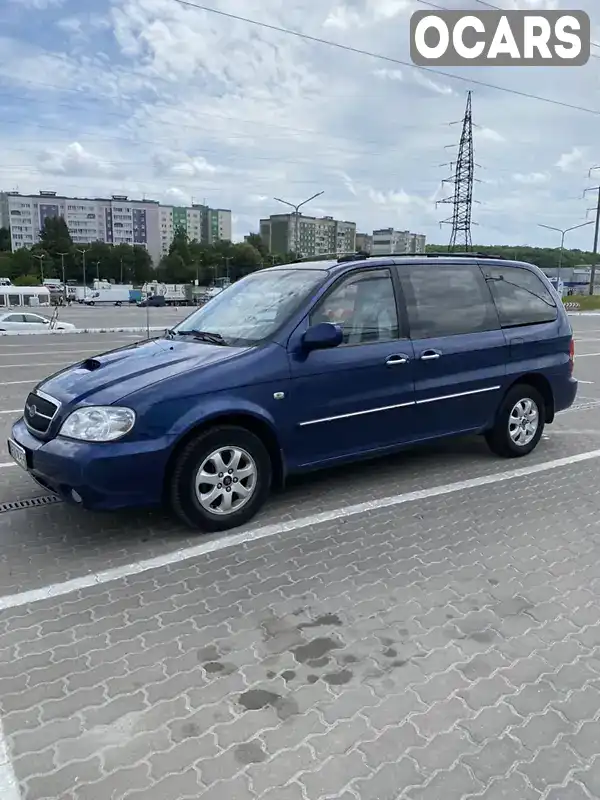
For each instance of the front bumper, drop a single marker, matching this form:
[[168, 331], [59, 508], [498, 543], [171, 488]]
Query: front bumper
[[106, 477]]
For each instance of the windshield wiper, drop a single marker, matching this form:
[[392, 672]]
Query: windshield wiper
[[203, 336]]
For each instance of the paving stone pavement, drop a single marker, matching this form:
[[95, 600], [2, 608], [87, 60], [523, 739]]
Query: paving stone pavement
[[448, 649]]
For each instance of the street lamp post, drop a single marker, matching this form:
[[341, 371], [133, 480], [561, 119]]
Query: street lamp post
[[62, 266], [296, 216], [83, 251], [41, 258], [563, 232]]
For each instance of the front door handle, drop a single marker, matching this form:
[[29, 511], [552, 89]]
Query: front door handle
[[393, 360], [429, 355]]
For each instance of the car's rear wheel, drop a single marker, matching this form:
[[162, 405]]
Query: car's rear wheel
[[519, 423], [221, 479]]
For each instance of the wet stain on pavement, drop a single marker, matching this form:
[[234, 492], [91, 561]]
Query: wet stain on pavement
[[321, 622], [256, 699], [389, 652], [312, 678], [317, 663], [249, 753], [338, 678], [288, 675], [315, 650], [217, 668]]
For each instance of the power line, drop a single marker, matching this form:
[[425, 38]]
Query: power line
[[389, 59]]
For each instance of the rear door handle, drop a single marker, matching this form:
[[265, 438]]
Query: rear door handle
[[429, 355], [392, 361]]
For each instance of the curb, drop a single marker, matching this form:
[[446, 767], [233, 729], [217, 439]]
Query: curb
[[85, 330]]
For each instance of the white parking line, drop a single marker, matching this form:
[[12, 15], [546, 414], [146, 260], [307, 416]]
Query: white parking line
[[17, 383], [7, 464], [211, 545], [12, 411], [585, 355]]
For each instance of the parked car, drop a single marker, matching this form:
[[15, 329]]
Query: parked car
[[17, 321], [259, 384], [155, 300]]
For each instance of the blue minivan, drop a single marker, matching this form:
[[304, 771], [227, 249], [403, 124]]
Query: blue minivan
[[300, 367]]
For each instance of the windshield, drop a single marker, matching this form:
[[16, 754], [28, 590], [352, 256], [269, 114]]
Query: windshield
[[253, 308]]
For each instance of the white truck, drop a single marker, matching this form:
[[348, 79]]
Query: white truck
[[175, 294], [113, 296]]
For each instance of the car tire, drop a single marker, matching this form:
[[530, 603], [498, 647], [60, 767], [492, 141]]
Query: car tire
[[189, 496], [512, 436]]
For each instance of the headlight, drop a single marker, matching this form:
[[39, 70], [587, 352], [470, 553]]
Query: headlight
[[98, 423]]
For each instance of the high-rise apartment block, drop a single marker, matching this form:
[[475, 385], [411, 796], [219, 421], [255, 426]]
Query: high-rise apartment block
[[388, 240], [364, 242], [307, 236], [117, 220], [201, 223]]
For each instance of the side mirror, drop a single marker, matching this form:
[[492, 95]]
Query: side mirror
[[322, 336]]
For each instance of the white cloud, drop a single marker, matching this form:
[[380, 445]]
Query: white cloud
[[571, 159], [150, 98], [389, 74], [534, 178], [434, 86], [489, 135]]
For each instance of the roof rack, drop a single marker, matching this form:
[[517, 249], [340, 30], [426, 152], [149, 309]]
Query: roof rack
[[360, 256]]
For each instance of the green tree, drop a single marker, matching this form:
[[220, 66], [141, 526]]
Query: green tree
[[173, 269], [255, 240], [181, 245], [55, 237], [27, 280]]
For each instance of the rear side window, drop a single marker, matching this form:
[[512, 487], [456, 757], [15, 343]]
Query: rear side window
[[447, 300], [520, 296]]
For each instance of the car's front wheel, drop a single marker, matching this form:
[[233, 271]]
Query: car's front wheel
[[519, 423], [220, 479]]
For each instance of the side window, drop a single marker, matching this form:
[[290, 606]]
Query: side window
[[33, 318], [520, 296], [14, 318], [447, 300], [364, 305]]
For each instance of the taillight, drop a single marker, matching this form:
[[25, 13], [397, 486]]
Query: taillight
[[572, 355]]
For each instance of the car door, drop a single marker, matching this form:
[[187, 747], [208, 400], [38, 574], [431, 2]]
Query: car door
[[13, 322], [357, 398], [35, 322], [460, 350]]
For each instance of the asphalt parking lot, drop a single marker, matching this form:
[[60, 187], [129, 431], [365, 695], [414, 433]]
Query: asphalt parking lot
[[419, 628], [119, 316]]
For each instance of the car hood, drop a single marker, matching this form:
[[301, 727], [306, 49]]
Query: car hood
[[109, 377]]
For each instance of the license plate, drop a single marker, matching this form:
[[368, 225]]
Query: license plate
[[18, 453]]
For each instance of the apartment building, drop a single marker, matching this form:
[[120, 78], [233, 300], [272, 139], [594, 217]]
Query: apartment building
[[115, 220], [315, 235], [364, 242], [4, 216], [388, 240], [200, 222]]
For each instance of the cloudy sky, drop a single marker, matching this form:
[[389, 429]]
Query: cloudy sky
[[158, 99]]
